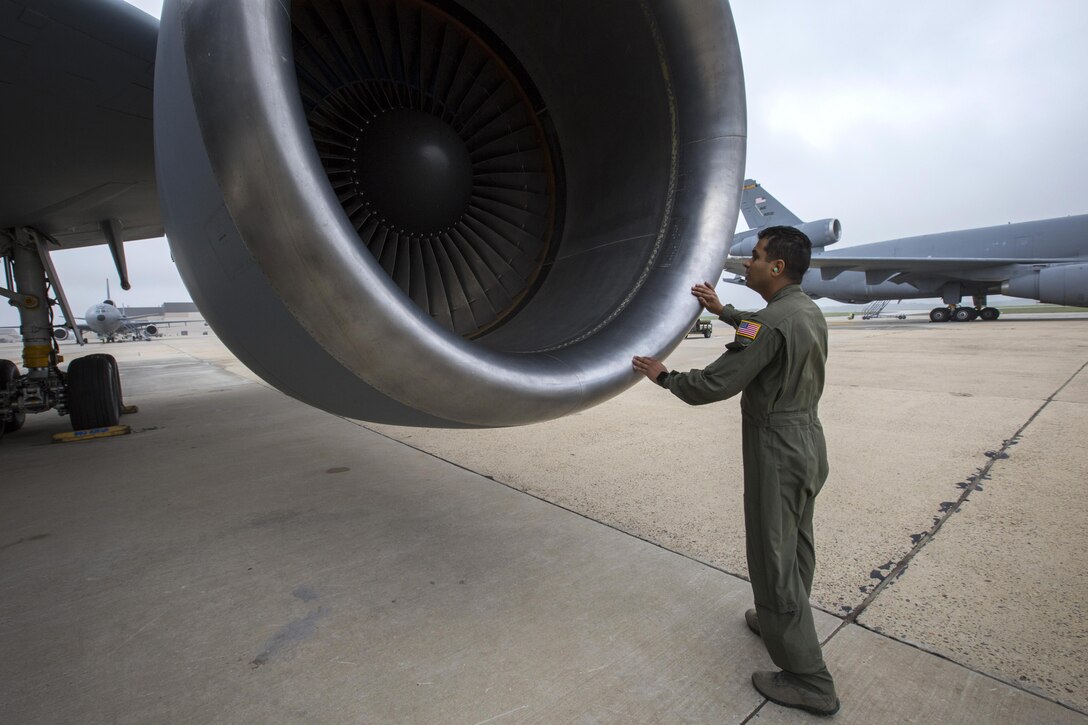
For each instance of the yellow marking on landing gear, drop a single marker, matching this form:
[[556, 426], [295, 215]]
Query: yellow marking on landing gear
[[36, 356], [90, 433]]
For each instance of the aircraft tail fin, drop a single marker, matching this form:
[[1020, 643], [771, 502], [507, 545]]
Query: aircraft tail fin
[[760, 209]]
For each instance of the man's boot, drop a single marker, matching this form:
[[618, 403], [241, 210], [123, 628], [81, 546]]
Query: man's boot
[[752, 620], [783, 689]]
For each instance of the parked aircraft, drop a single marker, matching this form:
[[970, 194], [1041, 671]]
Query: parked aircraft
[[437, 208], [1041, 260], [112, 324]]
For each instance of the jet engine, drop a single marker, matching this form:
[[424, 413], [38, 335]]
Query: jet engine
[[60, 333], [448, 213], [821, 233], [151, 331], [1065, 284]]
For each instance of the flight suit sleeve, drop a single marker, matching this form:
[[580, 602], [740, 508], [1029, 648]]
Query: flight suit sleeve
[[728, 375], [732, 316]]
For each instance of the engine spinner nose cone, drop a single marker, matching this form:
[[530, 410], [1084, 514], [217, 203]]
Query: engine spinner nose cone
[[414, 170]]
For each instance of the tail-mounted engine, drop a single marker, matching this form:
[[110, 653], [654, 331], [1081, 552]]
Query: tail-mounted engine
[[821, 233]]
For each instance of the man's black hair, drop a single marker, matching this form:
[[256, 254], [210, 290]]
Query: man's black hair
[[791, 246]]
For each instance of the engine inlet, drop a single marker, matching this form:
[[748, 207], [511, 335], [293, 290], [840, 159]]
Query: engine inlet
[[436, 147]]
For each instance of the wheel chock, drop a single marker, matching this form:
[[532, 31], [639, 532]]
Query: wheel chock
[[88, 434], [129, 409]]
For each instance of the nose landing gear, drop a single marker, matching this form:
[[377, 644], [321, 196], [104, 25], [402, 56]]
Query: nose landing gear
[[90, 391]]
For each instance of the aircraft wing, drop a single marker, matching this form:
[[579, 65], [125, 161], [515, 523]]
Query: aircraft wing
[[162, 323], [878, 269], [133, 324], [927, 264], [76, 85], [881, 268]]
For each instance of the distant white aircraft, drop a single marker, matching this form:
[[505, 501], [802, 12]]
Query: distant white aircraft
[[113, 325]]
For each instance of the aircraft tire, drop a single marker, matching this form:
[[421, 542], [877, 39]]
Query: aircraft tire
[[9, 373], [112, 361], [989, 313], [94, 398], [963, 314], [706, 334], [939, 314]]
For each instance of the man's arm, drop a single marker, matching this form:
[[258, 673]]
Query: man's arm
[[708, 298], [732, 316], [729, 374]]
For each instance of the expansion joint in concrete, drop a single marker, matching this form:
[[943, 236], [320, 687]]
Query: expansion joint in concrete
[[973, 483]]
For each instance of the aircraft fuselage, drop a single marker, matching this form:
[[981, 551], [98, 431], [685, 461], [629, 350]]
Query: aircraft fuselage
[[1063, 237], [104, 319], [979, 261]]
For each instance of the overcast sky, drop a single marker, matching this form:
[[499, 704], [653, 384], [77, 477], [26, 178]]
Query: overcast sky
[[896, 118]]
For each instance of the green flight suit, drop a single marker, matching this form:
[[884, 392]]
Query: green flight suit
[[777, 360]]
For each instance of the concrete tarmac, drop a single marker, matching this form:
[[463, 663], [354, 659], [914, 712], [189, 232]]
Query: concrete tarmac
[[242, 557]]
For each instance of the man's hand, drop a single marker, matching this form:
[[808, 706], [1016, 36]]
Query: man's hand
[[648, 366], [708, 298]]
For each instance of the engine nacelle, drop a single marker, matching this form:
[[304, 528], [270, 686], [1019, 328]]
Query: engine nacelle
[[821, 233], [60, 333], [1065, 284], [459, 213], [744, 243], [151, 331]]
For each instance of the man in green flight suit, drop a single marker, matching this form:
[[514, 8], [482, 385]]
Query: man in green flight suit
[[777, 360]]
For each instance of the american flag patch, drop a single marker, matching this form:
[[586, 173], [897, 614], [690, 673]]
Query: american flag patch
[[748, 329]]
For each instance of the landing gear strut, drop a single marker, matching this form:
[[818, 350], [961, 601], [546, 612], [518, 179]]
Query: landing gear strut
[[91, 389]]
